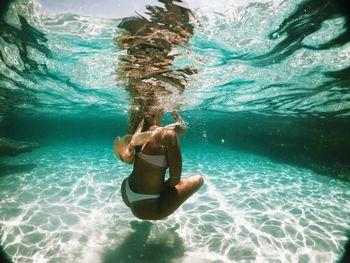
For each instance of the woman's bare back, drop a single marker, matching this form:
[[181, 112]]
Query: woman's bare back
[[147, 178]]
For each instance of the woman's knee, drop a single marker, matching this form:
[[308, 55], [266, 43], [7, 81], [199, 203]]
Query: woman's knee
[[189, 185], [200, 179], [197, 180]]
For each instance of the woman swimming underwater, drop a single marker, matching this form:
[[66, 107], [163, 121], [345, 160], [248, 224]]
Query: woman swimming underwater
[[145, 191]]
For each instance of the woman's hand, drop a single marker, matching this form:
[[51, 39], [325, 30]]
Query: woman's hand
[[180, 127]]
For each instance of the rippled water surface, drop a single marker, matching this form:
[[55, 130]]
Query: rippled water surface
[[67, 208], [277, 57]]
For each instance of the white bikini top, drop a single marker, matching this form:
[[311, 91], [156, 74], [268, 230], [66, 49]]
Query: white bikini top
[[157, 160]]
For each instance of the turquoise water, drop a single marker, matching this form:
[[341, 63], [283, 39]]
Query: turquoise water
[[67, 208], [268, 118]]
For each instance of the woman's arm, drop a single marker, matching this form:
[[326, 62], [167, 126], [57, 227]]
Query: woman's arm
[[144, 137], [140, 138], [174, 158], [179, 126]]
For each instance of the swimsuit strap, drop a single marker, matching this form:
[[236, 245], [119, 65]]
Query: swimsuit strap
[[143, 146]]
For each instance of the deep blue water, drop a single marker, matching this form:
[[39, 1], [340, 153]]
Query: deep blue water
[[268, 118]]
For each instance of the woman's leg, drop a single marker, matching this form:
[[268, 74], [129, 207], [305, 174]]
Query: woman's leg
[[124, 195], [170, 199]]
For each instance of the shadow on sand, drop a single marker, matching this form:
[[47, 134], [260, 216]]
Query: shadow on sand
[[346, 255], [138, 247], [8, 169], [4, 257]]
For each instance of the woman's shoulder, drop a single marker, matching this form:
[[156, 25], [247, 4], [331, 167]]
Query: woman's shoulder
[[169, 137], [165, 136]]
